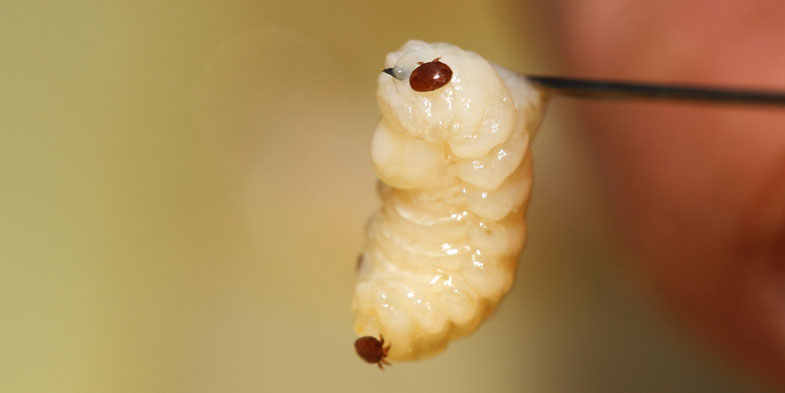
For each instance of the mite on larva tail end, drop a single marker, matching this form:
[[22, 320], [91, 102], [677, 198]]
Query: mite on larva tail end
[[452, 154]]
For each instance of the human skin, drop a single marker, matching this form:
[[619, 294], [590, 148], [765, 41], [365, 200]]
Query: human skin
[[697, 190]]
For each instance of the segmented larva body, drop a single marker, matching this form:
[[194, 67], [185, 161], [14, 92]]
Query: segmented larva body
[[455, 171]]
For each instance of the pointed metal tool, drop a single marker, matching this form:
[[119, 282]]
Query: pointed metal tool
[[623, 90]]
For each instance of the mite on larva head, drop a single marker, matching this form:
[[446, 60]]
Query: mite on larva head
[[452, 153], [426, 77]]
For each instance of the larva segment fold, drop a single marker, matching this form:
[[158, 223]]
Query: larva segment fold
[[455, 176]]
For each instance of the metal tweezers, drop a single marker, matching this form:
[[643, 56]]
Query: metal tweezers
[[618, 90]]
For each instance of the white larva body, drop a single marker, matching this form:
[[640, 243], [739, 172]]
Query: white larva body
[[455, 171]]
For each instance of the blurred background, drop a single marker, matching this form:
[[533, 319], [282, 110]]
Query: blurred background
[[183, 189]]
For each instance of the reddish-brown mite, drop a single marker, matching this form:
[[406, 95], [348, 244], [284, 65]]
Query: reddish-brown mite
[[430, 76], [372, 350]]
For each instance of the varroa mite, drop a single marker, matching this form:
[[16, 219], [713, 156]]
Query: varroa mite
[[430, 76], [372, 350]]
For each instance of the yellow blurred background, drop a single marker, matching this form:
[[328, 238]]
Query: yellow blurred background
[[183, 187]]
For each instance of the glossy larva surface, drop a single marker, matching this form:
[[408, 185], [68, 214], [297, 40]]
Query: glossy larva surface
[[455, 176]]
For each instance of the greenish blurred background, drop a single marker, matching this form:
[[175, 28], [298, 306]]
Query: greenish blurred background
[[183, 187]]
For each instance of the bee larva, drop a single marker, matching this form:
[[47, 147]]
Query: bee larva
[[452, 153]]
